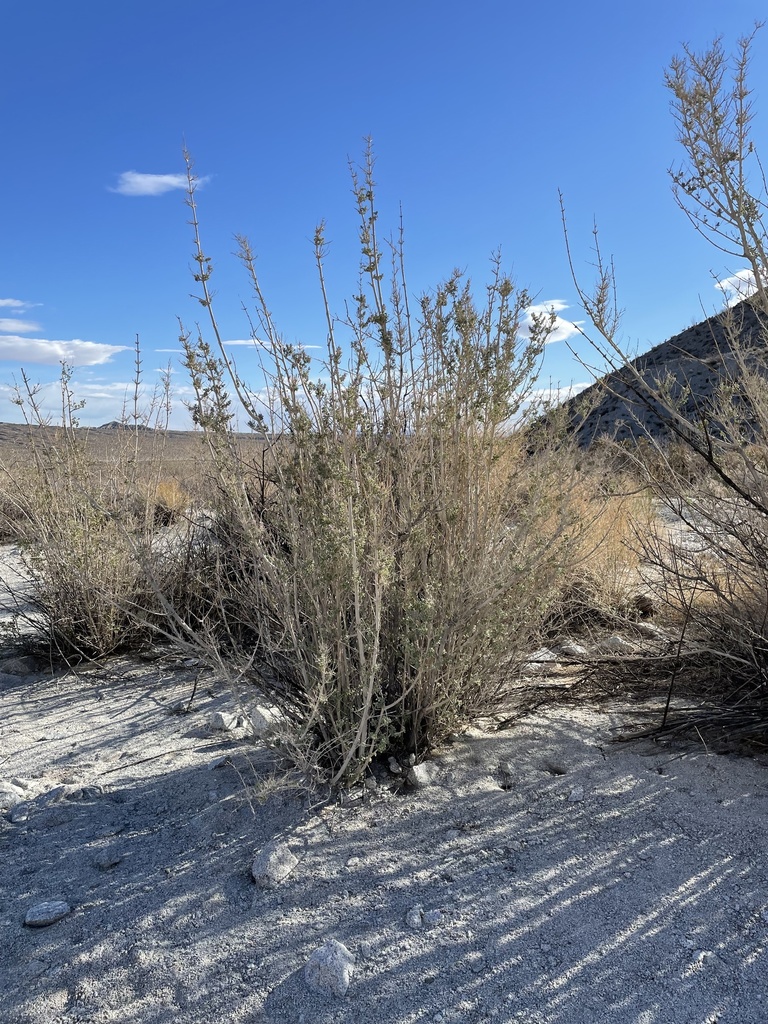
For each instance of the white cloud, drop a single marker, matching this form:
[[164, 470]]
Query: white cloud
[[51, 353], [132, 183], [557, 393], [9, 326], [561, 330], [15, 304], [104, 402], [737, 287]]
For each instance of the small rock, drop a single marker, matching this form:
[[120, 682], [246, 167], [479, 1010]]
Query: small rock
[[615, 645], [419, 775], [106, 859], [415, 917], [264, 721], [273, 865], [574, 650], [576, 795], [371, 784], [432, 918], [20, 813], [223, 721], [394, 767], [219, 762], [47, 913], [650, 631], [541, 662], [11, 794], [329, 969]]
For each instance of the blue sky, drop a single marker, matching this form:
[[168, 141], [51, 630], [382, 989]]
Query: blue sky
[[479, 113]]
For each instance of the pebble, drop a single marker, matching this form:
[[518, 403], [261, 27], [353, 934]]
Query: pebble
[[329, 969], [576, 795], [43, 914], [272, 865]]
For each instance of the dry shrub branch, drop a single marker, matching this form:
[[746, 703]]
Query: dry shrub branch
[[710, 553]]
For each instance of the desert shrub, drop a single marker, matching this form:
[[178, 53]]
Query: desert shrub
[[88, 534], [397, 549], [711, 551]]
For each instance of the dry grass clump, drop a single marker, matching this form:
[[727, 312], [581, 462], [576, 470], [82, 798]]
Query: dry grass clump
[[610, 512]]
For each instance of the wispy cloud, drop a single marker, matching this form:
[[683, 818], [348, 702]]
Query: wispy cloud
[[557, 393], [104, 401], [15, 304], [132, 183], [258, 341], [562, 329], [50, 353], [737, 287], [9, 326]]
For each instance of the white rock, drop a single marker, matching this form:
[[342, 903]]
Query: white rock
[[574, 650], [420, 775], [543, 654], [541, 662], [264, 721], [10, 795], [223, 721], [576, 795], [615, 645], [273, 865], [415, 917], [46, 913], [329, 969]]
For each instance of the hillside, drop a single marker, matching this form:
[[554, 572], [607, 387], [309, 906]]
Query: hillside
[[692, 363]]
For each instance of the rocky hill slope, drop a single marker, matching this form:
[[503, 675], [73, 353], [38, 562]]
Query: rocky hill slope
[[692, 365]]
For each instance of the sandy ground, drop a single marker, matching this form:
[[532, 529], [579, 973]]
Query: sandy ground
[[546, 873]]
